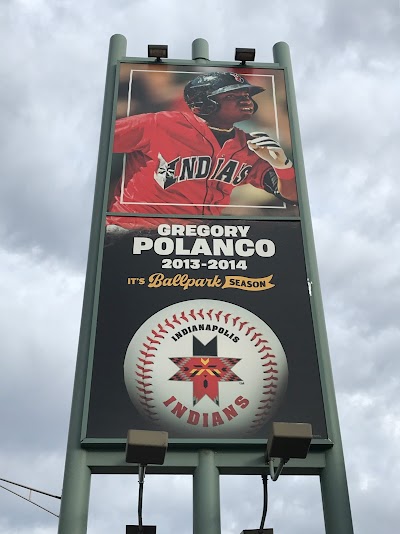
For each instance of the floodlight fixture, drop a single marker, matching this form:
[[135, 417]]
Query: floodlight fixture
[[245, 54], [144, 447], [287, 440], [158, 51]]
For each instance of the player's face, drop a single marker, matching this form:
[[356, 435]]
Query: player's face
[[234, 106]]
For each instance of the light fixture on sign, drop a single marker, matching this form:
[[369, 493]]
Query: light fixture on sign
[[285, 441], [158, 51], [144, 447], [245, 54]]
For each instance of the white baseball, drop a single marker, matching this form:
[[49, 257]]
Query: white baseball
[[244, 405]]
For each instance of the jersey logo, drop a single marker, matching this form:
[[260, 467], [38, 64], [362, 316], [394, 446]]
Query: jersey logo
[[237, 77], [165, 172], [180, 169]]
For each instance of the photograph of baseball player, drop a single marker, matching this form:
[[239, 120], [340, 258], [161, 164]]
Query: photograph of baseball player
[[191, 158]]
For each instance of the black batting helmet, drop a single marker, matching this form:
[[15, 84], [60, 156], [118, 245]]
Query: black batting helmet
[[200, 91]]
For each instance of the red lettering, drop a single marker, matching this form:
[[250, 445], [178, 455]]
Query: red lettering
[[217, 419], [242, 402], [168, 402], [193, 418], [230, 412], [179, 410], [205, 419]]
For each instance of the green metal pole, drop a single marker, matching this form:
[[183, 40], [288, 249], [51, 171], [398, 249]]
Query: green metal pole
[[206, 501], [200, 49], [76, 486], [335, 495]]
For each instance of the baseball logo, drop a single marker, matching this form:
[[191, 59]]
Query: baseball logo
[[206, 368], [237, 77]]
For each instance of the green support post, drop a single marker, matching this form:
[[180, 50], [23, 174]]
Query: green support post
[[206, 500], [335, 495], [76, 485], [200, 50]]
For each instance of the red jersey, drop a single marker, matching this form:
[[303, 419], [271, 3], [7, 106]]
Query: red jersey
[[175, 165]]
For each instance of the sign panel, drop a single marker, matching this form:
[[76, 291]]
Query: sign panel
[[204, 330], [197, 140]]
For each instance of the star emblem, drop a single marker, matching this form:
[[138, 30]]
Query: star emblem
[[205, 370]]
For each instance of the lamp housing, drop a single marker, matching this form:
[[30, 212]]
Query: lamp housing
[[289, 440], [158, 51], [146, 447], [245, 54]]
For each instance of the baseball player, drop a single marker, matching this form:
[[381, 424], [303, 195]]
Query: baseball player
[[189, 162]]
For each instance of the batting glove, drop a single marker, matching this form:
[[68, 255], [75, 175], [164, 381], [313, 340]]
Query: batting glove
[[270, 150]]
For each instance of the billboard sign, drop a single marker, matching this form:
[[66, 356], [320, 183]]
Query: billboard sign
[[204, 325], [199, 317], [204, 330]]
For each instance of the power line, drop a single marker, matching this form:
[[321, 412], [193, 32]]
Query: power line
[[30, 490]]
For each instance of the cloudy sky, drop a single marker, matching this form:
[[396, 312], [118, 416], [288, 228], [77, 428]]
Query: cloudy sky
[[346, 65]]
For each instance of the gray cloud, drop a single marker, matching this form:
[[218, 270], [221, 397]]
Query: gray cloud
[[345, 60]]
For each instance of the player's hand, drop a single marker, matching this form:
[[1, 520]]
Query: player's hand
[[268, 149]]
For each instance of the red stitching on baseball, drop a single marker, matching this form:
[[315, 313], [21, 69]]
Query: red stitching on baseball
[[156, 334], [269, 399], [152, 340], [270, 378], [147, 363], [175, 319], [142, 383], [145, 398], [143, 389], [242, 325], [226, 317], [162, 329], [149, 347], [269, 370], [149, 355], [268, 356]]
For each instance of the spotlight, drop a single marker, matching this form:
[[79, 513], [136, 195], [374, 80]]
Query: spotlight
[[245, 54], [144, 447], [286, 440], [289, 440], [158, 51]]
